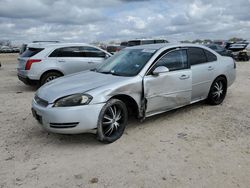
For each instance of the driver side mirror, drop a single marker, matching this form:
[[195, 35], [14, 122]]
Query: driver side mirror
[[160, 69], [107, 56]]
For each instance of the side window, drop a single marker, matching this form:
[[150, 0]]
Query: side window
[[196, 56], [210, 56], [175, 60], [67, 52], [93, 52], [147, 42], [160, 41]]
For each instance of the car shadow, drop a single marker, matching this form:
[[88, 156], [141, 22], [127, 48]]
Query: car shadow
[[170, 115]]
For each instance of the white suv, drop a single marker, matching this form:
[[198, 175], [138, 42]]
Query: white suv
[[41, 63]]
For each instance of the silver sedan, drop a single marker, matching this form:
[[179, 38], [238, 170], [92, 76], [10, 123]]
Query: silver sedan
[[138, 81]]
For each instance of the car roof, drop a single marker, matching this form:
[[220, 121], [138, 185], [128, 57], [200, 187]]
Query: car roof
[[165, 45], [55, 45]]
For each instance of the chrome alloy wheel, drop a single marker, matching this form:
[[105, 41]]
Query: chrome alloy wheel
[[218, 90], [112, 120]]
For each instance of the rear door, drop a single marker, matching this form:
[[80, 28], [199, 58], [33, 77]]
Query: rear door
[[171, 89], [202, 65], [77, 58], [69, 59]]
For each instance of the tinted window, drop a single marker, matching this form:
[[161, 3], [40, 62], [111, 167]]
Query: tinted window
[[175, 60], [160, 41], [124, 44], [31, 52], [196, 56], [134, 43], [68, 52], [210, 56], [93, 52], [147, 42]]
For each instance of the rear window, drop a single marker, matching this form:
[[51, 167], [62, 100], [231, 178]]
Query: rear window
[[29, 52], [210, 56]]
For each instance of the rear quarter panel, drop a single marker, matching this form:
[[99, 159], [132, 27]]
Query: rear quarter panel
[[225, 66], [45, 65]]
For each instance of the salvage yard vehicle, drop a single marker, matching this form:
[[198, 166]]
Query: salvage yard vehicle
[[220, 50], [238, 49], [141, 81], [43, 62], [114, 48], [5, 49]]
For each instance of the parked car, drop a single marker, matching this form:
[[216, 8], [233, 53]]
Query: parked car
[[220, 50], [142, 42], [41, 63], [16, 50], [221, 43], [142, 81], [114, 48], [238, 49], [5, 49]]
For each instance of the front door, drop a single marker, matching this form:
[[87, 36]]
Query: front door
[[171, 89]]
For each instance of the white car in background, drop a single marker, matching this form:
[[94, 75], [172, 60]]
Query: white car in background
[[41, 63]]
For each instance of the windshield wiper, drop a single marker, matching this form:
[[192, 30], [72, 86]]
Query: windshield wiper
[[110, 72]]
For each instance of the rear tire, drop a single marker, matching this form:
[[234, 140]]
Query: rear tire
[[217, 91], [47, 77], [112, 121]]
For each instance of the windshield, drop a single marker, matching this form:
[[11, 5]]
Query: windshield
[[127, 62]]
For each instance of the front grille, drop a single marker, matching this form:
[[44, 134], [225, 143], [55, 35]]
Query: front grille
[[63, 125], [41, 102]]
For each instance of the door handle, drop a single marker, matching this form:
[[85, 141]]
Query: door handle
[[183, 77], [90, 62], [61, 61], [210, 68]]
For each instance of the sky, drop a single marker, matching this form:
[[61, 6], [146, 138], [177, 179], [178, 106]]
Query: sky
[[118, 20]]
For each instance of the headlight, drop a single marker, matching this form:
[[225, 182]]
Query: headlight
[[73, 100]]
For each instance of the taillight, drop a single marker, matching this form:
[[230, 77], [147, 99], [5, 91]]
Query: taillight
[[29, 63]]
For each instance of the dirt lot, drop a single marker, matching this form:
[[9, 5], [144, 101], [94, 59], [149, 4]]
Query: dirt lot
[[196, 146]]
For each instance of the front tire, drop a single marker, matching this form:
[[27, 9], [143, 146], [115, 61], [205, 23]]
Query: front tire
[[217, 91], [112, 121]]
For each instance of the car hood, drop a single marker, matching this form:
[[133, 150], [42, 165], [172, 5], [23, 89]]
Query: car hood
[[76, 83]]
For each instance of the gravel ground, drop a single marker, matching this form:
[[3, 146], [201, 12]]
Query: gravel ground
[[195, 146]]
